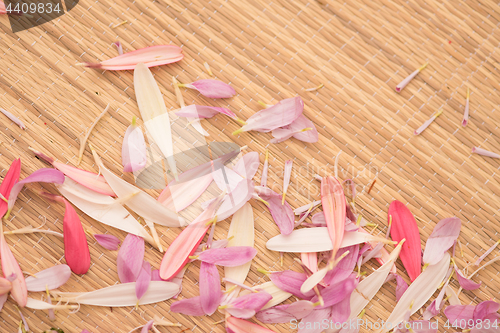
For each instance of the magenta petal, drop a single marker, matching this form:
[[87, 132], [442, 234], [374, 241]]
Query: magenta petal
[[335, 293], [341, 311], [189, 306], [213, 88], [431, 311], [130, 258], [155, 275], [228, 257], [201, 111], [308, 136], [246, 306], [290, 282], [148, 326], [442, 238], [344, 267], [210, 293], [401, 287], [459, 312], [143, 280], [41, 175], [484, 309], [133, 149], [285, 313], [107, 241], [466, 283], [318, 219], [50, 278], [248, 165], [282, 214], [312, 322]]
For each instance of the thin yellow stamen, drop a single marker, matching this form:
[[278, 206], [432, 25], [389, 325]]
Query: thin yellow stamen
[[440, 112], [119, 24], [264, 105], [358, 221], [243, 123], [230, 289], [306, 129], [425, 267], [423, 66], [362, 314], [4, 198], [134, 121], [468, 93], [238, 131], [263, 271], [283, 198]]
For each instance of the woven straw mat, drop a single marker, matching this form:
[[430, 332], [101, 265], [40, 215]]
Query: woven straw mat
[[267, 50]]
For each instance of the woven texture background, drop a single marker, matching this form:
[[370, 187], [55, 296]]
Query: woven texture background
[[267, 50]]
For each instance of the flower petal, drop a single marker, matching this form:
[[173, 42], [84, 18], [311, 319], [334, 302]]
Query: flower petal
[[428, 122], [344, 267], [188, 306], [151, 56], [466, 283], [247, 165], [228, 257], [484, 152], [285, 313], [286, 178], [298, 126], [143, 280], [210, 293], [133, 149], [401, 287], [410, 77], [233, 201], [441, 239], [337, 292], [51, 278], [236, 325], [309, 324], [290, 282], [484, 309], [281, 212], [202, 111], [459, 313], [212, 88], [404, 226], [341, 310], [252, 302], [10, 179], [14, 119], [333, 201], [10, 266], [130, 258], [465, 120], [279, 115], [107, 241], [265, 170]]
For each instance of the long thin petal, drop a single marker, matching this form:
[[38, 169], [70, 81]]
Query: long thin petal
[[410, 77], [16, 120], [420, 291], [138, 200], [281, 211], [337, 292], [252, 302], [10, 179], [143, 280], [465, 120], [151, 56], [236, 325], [290, 282], [404, 226], [88, 179], [485, 254], [285, 313], [212, 88], [333, 201], [210, 293], [452, 296], [230, 257], [428, 122], [265, 170], [133, 149], [51, 278], [279, 115], [317, 240], [40, 175], [286, 178], [184, 245], [241, 233], [188, 306], [107, 241], [122, 294], [484, 152], [154, 113], [310, 260], [203, 111], [10, 267], [298, 126], [441, 239], [102, 208], [269, 287], [130, 258]]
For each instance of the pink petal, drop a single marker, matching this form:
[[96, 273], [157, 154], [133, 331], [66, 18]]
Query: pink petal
[[279, 115], [333, 201], [233, 201], [265, 170], [459, 313], [282, 213], [341, 310], [312, 322], [40, 175], [143, 280], [335, 293], [184, 245], [466, 283], [202, 111], [119, 47], [10, 267], [148, 326], [484, 152], [286, 177], [251, 303], [344, 267], [213, 88], [290, 282], [443, 237], [428, 122], [16, 120], [107, 241], [481, 258], [236, 325], [188, 306], [178, 280], [465, 120], [133, 149], [10, 179], [285, 313], [310, 260], [282, 134], [400, 287], [130, 258], [5, 285], [407, 80], [210, 293], [484, 309], [88, 179], [318, 219], [431, 311], [306, 136], [51, 278], [3, 10], [3, 299], [151, 56], [248, 165], [76, 248], [228, 257]]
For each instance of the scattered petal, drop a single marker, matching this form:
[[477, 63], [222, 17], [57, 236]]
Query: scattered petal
[[210, 293], [428, 122], [119, 47], [407, 80], [10, 179], [281, 211], [130, 258], [202, 111], [333, 201], [143, 280], [401, 287], [286, 178], [484, 152], [290, 282], [484, 309], [14, 119], [337, 292], [211, 88], [466, 283], [309, 324], [465, 120], [441, 239], [236, 325], [251, 303], [459, 313], [285, 313], [107, 241], [10, 267], [188, 306], [133, 149], [265, 170], [481, 258], [50, 278], [344, 267], [83, 141], [228, 257]]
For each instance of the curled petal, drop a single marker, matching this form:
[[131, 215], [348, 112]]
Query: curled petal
[[148, 326], [337, 292], [151, 56], [442, 238], [344, 267], [10, 267], [119, 47], [210, 293], [407, 80], [107, 241], [133, 149], [465, 120], [466, 283], [484, 152], [188, 306], [428, 122], [51, 278], [212, 88], [16, 120], [130, 258], [252, 303], [229, 257], [298, 125]]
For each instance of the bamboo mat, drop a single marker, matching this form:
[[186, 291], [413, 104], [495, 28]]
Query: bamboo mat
[[267, 50]]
